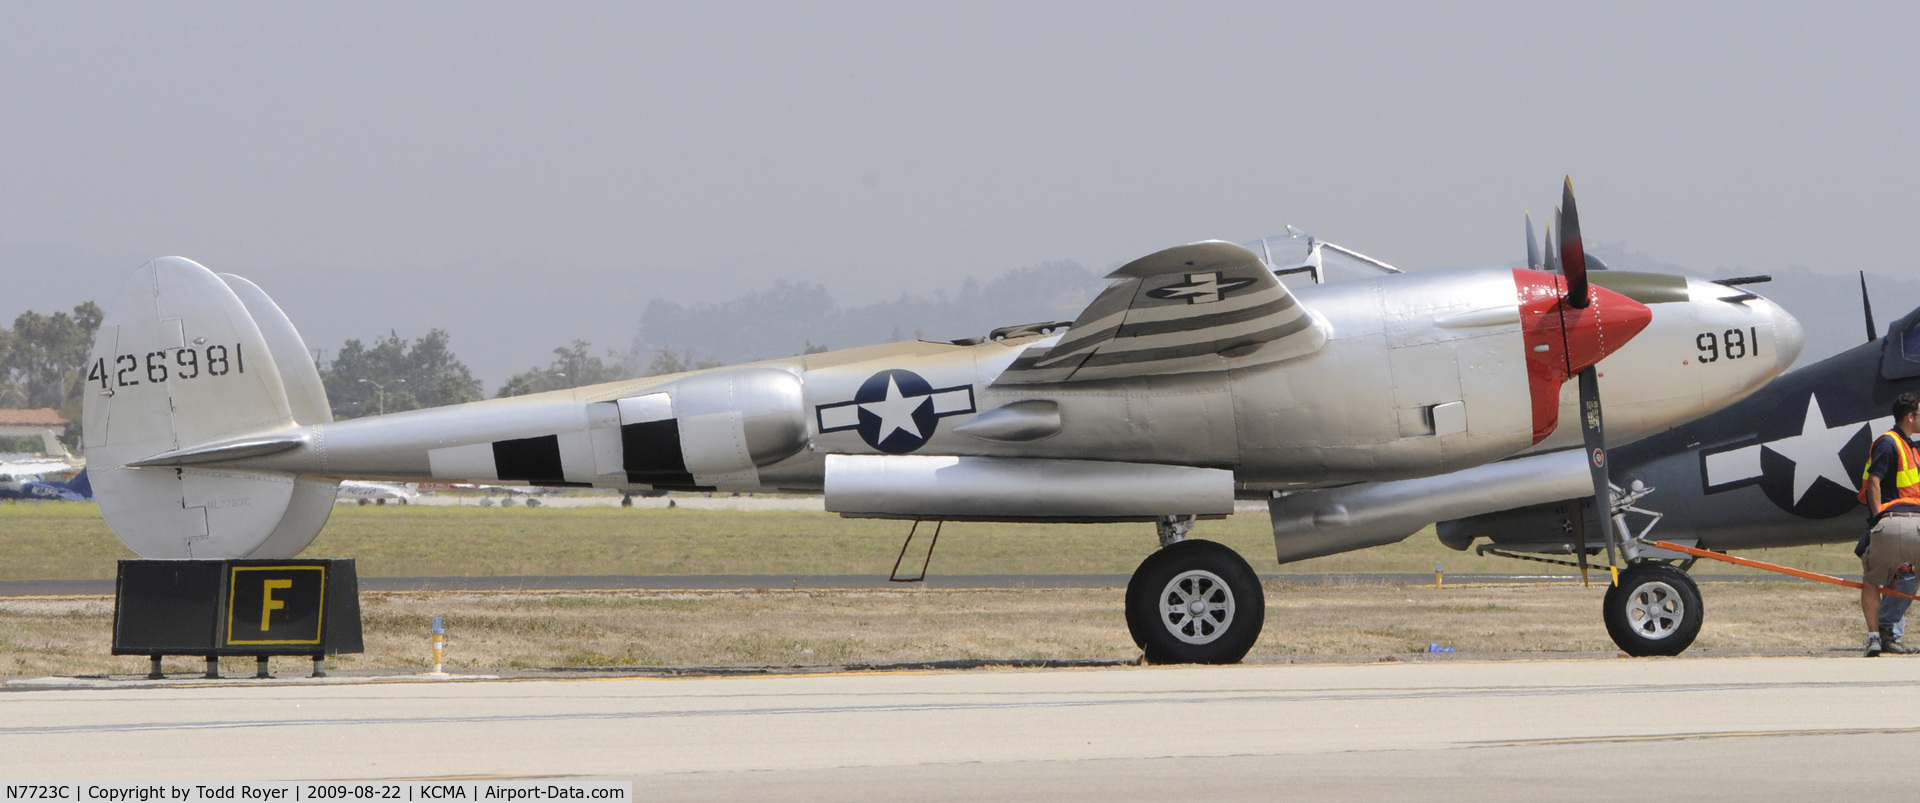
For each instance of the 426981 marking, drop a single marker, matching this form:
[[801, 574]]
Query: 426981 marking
[[153, 367]]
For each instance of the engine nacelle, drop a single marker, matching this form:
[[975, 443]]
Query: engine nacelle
[[709, 430], [1314, 524]]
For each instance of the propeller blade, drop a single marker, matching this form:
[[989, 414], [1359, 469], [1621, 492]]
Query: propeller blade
[[1594, 434], [1533, 248], [1553, 253], [1573, 257], [1579, 523], [1867, 305]]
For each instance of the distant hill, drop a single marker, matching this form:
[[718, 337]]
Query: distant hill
[[783, 320]]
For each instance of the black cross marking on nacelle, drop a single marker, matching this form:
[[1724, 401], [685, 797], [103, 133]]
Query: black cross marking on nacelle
[[1200, 288]]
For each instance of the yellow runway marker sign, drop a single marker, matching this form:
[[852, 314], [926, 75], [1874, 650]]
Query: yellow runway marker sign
[[269, 605]]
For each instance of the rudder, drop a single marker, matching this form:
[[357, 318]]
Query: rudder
[[179, 363]]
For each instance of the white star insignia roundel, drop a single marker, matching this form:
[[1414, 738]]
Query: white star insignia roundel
[[1814, 454], [895, 411]]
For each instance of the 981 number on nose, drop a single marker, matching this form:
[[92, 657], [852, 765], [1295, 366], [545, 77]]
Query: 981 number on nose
[[1736, 343]]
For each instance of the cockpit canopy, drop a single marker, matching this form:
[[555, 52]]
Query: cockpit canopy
[[1900, 350], [1301, 259]]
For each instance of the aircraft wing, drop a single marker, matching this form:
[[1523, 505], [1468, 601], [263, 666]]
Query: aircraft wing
[[1206, 306]]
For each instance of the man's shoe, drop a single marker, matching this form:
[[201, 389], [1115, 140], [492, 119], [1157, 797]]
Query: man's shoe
[[1873, 645], [1890, 644]]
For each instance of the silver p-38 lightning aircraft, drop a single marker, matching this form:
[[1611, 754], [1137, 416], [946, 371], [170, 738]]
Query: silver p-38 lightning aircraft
[[1196, 378]]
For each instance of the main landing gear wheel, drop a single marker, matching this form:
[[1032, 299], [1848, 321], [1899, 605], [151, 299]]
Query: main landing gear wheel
[[1654, 611], [1195, 602]]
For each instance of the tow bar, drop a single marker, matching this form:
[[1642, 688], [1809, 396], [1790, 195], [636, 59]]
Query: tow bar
[[1771, 567]]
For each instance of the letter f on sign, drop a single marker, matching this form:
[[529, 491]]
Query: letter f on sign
[[268, 604]]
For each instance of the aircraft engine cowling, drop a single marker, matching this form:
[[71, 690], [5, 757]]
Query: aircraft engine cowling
[[712, 430], [1312, 524]]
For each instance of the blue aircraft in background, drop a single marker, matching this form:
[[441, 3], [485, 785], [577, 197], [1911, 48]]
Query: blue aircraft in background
[[76, 489]]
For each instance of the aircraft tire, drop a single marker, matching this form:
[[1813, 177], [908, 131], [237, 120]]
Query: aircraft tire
[[1195, 573], [1655, 610]]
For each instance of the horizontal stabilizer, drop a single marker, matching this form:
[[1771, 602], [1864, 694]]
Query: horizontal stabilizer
[[1202, 307], [231, 450]]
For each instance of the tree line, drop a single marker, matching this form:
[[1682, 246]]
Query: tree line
[[43, 357], [43, 360]]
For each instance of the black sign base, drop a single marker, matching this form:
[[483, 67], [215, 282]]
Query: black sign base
[[260, 608]]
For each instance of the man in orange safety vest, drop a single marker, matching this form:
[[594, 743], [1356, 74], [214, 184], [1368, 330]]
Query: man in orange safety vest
[[1890, 487]]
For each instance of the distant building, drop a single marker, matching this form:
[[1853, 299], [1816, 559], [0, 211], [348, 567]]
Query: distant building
[[44, 422]]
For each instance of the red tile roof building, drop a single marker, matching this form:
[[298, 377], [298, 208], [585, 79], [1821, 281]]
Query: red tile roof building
[[40, 418]]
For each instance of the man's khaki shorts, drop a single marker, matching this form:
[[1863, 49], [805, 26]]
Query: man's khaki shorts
[[1895, 540]]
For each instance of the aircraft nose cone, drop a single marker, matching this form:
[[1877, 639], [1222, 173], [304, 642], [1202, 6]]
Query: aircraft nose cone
[[1602, 327], [1788, 337]]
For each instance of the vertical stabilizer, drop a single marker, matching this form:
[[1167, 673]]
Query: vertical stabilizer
[[312, 500], [306, 394], [180, 363]]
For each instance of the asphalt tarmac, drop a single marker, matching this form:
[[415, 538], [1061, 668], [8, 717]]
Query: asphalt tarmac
[[1729, 728]]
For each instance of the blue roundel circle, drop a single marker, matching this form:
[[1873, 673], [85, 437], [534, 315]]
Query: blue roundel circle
[[896, 411]]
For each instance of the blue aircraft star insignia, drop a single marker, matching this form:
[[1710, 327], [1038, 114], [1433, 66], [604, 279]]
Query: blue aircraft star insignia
[[896, 411], [1200, 288], [1804, 469]]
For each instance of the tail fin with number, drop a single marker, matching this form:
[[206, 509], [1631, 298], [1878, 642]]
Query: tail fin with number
[[189, 363]]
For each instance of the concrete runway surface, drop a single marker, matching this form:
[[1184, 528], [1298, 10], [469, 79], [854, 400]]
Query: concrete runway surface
[[1748, 728]]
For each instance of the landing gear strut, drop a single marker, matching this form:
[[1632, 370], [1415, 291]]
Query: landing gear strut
[[1654, 608], [1173, 529], [1195, 602]]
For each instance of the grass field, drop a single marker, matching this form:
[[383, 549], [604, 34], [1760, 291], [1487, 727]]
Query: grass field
[[1319, 622], [43, 541], [1305, 623]]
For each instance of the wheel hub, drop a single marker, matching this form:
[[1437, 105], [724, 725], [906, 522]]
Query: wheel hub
[[1654, 610], [1196, 606]]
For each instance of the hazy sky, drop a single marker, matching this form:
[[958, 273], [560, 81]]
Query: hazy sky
[[522, 175]]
